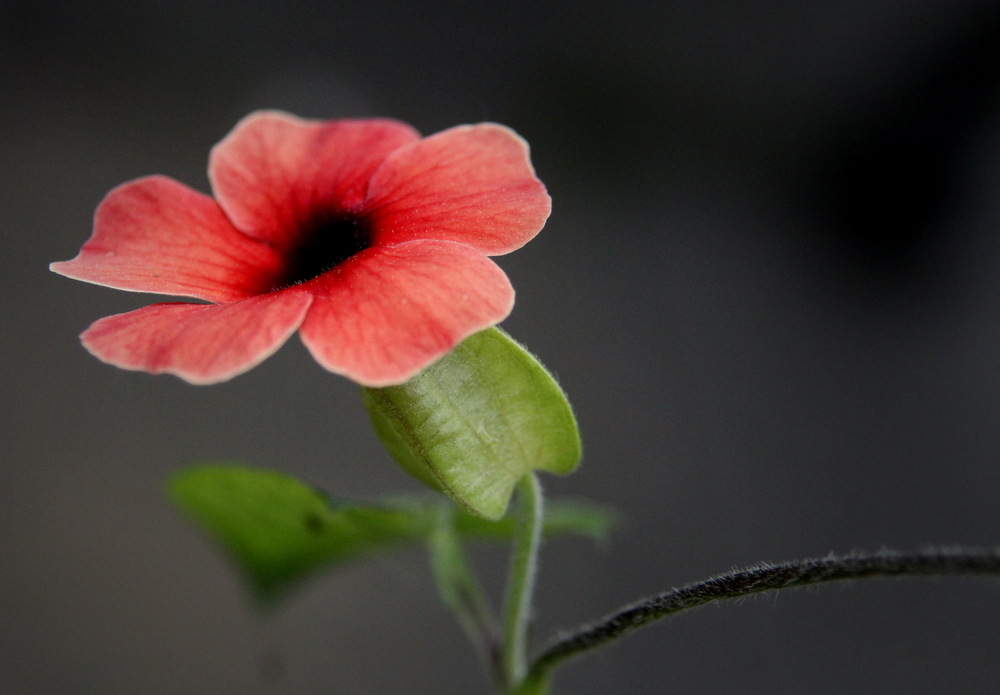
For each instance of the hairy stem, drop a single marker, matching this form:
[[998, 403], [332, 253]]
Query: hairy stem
[[460, 590], [522, 579], [751, 581]]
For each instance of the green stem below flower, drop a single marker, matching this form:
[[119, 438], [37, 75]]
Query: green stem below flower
[[461, 591], [521, 584]]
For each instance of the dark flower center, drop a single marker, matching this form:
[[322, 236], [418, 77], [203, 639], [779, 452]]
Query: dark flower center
[[326, 243]]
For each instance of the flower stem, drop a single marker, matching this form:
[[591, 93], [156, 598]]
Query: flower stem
[[522, 579], [461, 591], [764, 578]]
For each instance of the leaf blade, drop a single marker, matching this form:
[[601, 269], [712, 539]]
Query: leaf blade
[[475, 422], [278, 530]]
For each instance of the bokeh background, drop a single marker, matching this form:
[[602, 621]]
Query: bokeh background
[[770, 286]]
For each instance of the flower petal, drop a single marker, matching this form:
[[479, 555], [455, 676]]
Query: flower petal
[[274, 172], [200, 343], [470, 184], [157, 235], [390, 311]]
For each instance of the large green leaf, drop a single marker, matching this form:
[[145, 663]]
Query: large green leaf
[[279, 530], [476, 421]]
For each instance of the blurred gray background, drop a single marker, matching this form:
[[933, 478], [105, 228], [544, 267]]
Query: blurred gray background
[[770, 286]]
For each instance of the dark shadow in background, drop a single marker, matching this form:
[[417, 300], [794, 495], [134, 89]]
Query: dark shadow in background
[[888, 182]]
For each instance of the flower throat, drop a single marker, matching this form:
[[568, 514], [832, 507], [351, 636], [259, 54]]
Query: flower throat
[[325, 244]]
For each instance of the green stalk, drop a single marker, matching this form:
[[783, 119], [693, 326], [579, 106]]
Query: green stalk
[[521, 584], [461, 592]]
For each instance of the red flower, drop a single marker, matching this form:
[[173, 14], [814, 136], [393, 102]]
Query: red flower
[[369, 240]]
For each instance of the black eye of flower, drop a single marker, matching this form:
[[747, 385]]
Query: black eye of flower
[[326, 243]]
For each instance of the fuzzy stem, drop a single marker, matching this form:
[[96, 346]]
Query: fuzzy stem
[[521, 584], [460, 590], [751, 581]]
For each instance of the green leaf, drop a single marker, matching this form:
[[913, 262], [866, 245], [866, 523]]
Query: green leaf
[[279, 530], [475, 422], [562, 517]]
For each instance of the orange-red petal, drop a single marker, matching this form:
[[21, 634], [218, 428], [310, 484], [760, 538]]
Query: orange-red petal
[[274, 173], [470, 184], [157, 235], [390, 311], [200, 343]]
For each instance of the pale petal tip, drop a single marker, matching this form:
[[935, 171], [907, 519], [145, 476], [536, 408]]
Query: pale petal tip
[[69, 269]]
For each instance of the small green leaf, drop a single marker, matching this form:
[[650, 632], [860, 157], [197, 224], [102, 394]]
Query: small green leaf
[[280, 530], [475, 422], [562, 517]]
